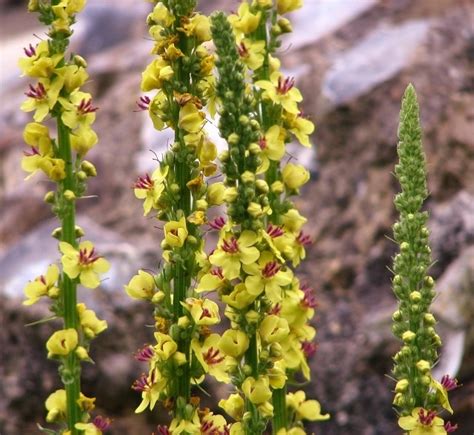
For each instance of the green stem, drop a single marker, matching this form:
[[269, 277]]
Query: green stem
[[69, 291], [279, 409]]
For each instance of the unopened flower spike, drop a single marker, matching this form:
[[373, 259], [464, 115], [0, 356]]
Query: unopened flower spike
[[419, 398], [54, 92]]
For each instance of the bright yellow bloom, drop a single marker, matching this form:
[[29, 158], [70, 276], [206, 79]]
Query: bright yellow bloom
[[84, 263], [281, 91], [442, 395], [300, 127], [245, 21], [42, 97], [273, 329], [56, 406], [295, 176], [151, 387], [62, 342], [215, 193], [91, 325], [292, 431], [239, 298], [181, 426], [294, 356], [198, 26], [73, 76], [272, 145], [233, 405], [161, 15], [212, 359], [176, 233], [214, 280], [305, 409], [79, 110], [252, 53], [141, 286], [266, 276], [151, 188], [155, 74], [83, 139], [204, 312], [43, 285], [232, 253], [157, 109], [277, 374], [165, 346], [234, 342], [190, 118], [38, 62], [285, 6], [237, 429], [422, 422], [214, 422], [257, 391], [293, 221], [88, 428]]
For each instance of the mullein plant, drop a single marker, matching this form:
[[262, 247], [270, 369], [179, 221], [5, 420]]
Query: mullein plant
[[419, 398], [261, 241], [58, 141], [179, 85]]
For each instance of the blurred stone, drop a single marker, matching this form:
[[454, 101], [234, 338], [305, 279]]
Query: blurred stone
[[379, 56]]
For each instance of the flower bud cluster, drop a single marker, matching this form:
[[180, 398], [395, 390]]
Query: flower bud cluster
[[180, 85], [262, 239], [418, 396], [56, 94]]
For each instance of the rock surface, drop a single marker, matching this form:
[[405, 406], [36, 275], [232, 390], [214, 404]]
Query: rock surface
[[351, 52]]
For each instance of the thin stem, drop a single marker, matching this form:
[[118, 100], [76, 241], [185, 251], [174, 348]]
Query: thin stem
[[279, 408], [69, 291]]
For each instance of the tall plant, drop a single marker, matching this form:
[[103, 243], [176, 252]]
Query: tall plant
[[419, 398], [58, 149]]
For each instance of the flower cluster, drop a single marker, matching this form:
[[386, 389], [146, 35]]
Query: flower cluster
[[418, 396], [261, 241], [180, 86], [56, 94]]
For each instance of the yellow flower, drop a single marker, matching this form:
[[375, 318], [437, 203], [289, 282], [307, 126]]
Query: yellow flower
[[285, 6], [237, 429], [42, 97], [190, 118], [56, 406], [161, 15], [188, 427], [151, 188], [293, 221], [165, 346], [62, 342], [294, 176], [38, 63], [257, 391], [199, 26], [79, 110], [272, 145], [239, 298], [84, 263], [277, 374], [44, 285], [151, 387], [176, 233], [252, 53], [422, 422], [233, 252], [155, 74], [300, 127], [266, 276], [83, 139], [245, 21], [73, 76], [292, 431], [233, 405], [91, 325], [234, 342], [281, 91], [88, 428], [214, 280], [305, 409], [215, 193], [273, 329], [204, 312], [212, 359], [442, 395]]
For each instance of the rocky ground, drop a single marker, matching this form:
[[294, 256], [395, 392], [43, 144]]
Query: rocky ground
[[352, 61]]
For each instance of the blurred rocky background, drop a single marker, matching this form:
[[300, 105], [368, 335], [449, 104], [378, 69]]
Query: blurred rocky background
[[352, 60]]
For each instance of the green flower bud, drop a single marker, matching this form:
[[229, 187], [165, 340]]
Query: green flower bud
[[415, 296], [69, 195], [423, 366], [88, 168], [408, 336], [233, 139], [49, 198], [248, 177], [262, 186]]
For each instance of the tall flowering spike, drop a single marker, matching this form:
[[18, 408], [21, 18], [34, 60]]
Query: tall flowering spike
[[56, 94], [418, 397], [181, 85]]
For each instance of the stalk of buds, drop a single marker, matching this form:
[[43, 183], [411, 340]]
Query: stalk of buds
[[185, 349], [60, 157], [267, 306], [419, 398]]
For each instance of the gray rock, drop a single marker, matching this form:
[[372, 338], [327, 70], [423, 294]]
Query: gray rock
[[378, 57]]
